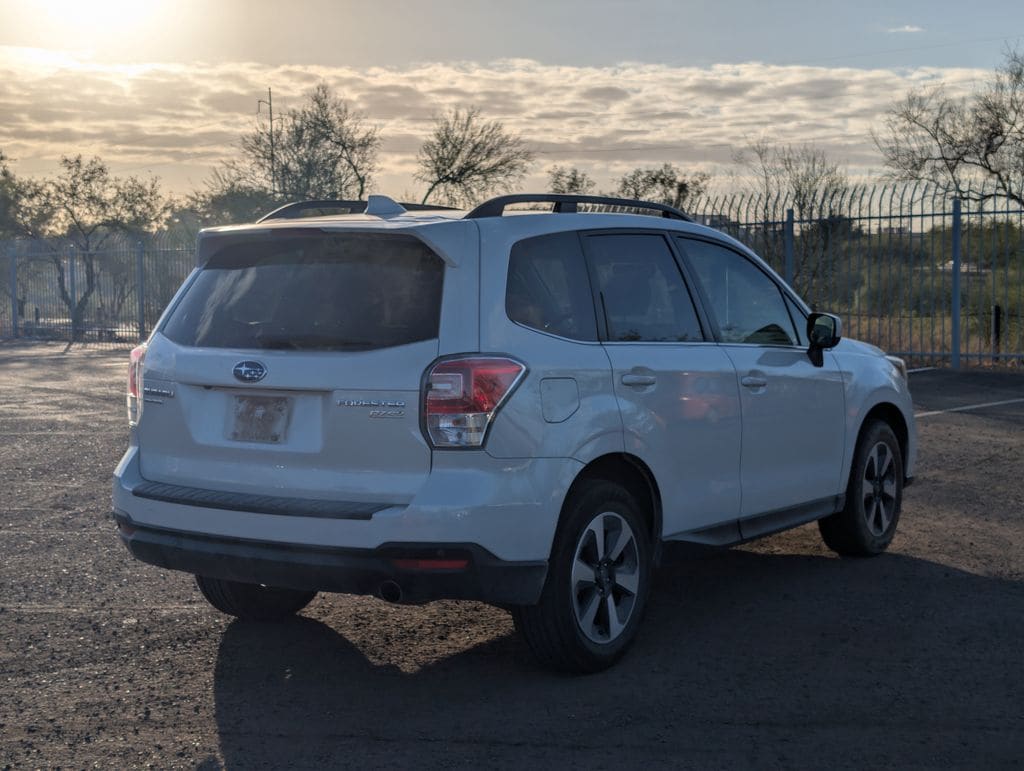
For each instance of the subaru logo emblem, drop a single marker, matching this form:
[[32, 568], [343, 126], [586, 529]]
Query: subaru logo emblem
[[249, 371]]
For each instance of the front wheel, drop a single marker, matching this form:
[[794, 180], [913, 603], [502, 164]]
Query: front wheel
[[598, 581], [866, 525], [253, 602]]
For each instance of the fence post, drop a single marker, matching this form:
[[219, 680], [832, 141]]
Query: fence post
[[12, 253], [72, 292], [997, 331], [788, 235], [955, 312], [140, 288]]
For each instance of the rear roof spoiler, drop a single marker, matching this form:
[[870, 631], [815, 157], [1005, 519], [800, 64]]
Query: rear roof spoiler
[[325, 207]]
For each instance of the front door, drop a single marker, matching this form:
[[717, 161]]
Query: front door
[[793, 412]]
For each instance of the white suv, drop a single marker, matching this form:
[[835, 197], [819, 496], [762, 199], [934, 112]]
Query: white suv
[[514, 407]]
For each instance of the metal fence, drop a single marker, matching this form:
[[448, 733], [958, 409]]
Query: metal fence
[[935, 279], [51, 290]]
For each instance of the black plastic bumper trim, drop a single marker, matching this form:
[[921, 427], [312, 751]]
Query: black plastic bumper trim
[[352, 571], [257, 504]]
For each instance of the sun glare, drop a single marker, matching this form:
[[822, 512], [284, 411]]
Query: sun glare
[[95, 16]]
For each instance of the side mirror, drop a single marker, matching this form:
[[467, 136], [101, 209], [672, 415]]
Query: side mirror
[[824, 330]]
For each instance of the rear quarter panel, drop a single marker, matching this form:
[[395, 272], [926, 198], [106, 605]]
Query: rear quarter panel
[[565, 407]]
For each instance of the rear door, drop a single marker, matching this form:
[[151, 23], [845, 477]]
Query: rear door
[[291, 367], [676, 391]]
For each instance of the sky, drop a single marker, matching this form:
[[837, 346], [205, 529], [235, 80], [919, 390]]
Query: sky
[[167, 87]]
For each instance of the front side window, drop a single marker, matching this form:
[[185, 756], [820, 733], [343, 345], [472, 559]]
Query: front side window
[[548, 289], [642, 293], [328, 292], [799, 320], [747, 304]]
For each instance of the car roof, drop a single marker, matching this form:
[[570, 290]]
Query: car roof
[[492, 218], [380, 208]]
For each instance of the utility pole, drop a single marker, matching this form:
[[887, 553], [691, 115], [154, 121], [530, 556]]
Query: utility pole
[[269, 102]]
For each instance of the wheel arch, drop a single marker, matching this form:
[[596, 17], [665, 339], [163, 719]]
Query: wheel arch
[[890, 414], [633, 474]]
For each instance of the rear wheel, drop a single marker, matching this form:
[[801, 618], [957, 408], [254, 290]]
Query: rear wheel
[[253, 602], [597, 586], [866, 525]]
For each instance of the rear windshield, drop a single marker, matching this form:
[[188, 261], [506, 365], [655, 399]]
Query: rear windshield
[[313, 292]]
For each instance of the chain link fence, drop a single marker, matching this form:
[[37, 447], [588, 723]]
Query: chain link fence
[[935, 279]]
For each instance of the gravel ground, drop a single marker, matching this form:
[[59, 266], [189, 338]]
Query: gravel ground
[[773, 654]]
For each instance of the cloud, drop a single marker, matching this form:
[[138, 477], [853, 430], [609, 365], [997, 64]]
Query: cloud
[[605, 94], [180, 120], [905, 29]]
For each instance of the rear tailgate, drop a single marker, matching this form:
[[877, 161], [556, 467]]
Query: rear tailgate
[[291, 367]]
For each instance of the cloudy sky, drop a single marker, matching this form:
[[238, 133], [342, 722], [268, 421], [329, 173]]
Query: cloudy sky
[[167, 86]]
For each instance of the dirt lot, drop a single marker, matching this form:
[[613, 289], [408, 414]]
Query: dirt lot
[[774, 654]]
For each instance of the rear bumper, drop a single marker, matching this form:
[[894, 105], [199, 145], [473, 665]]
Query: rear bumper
[[509, 508], [353, 571]]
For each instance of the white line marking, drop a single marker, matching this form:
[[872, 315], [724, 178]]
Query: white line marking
[[920, 369], [968, 407]]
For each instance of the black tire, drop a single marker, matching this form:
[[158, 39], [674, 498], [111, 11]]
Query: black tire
[[553, 628], [866, 525], [253, 602]]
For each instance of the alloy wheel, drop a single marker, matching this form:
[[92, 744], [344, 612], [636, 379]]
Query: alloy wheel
[[605, 577], [878, 489]]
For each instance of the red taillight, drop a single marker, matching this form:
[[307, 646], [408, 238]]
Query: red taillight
[[462, 396], [135, 361]]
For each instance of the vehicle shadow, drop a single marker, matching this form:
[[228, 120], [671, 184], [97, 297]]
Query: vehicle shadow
[[744, 659]]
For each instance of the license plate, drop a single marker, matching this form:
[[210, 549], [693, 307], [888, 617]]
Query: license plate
[[261, 419]]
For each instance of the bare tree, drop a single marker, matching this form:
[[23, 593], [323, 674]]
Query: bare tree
[[8, 198], [23, 209], [802, 178], [323, 149], [953, 143], [20, 216], [466, 157], [226, 200], [86, 205], [8, 208], [665, 184], [569, 179]]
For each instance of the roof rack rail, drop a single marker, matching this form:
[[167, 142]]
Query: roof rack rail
[[569, 204], [297, 210]]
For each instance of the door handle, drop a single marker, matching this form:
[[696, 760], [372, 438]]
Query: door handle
[[751, 381], [639, 380]]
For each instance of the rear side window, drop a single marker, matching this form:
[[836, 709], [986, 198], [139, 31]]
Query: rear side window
[[641, 289], [548, 288], [318, 292]]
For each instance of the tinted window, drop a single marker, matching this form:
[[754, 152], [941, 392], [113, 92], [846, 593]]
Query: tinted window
[[747, 304], [548, 288], [316, 292], [642, 292]]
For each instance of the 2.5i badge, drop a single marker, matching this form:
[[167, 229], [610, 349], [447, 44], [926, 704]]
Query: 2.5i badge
[[378, 408]]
